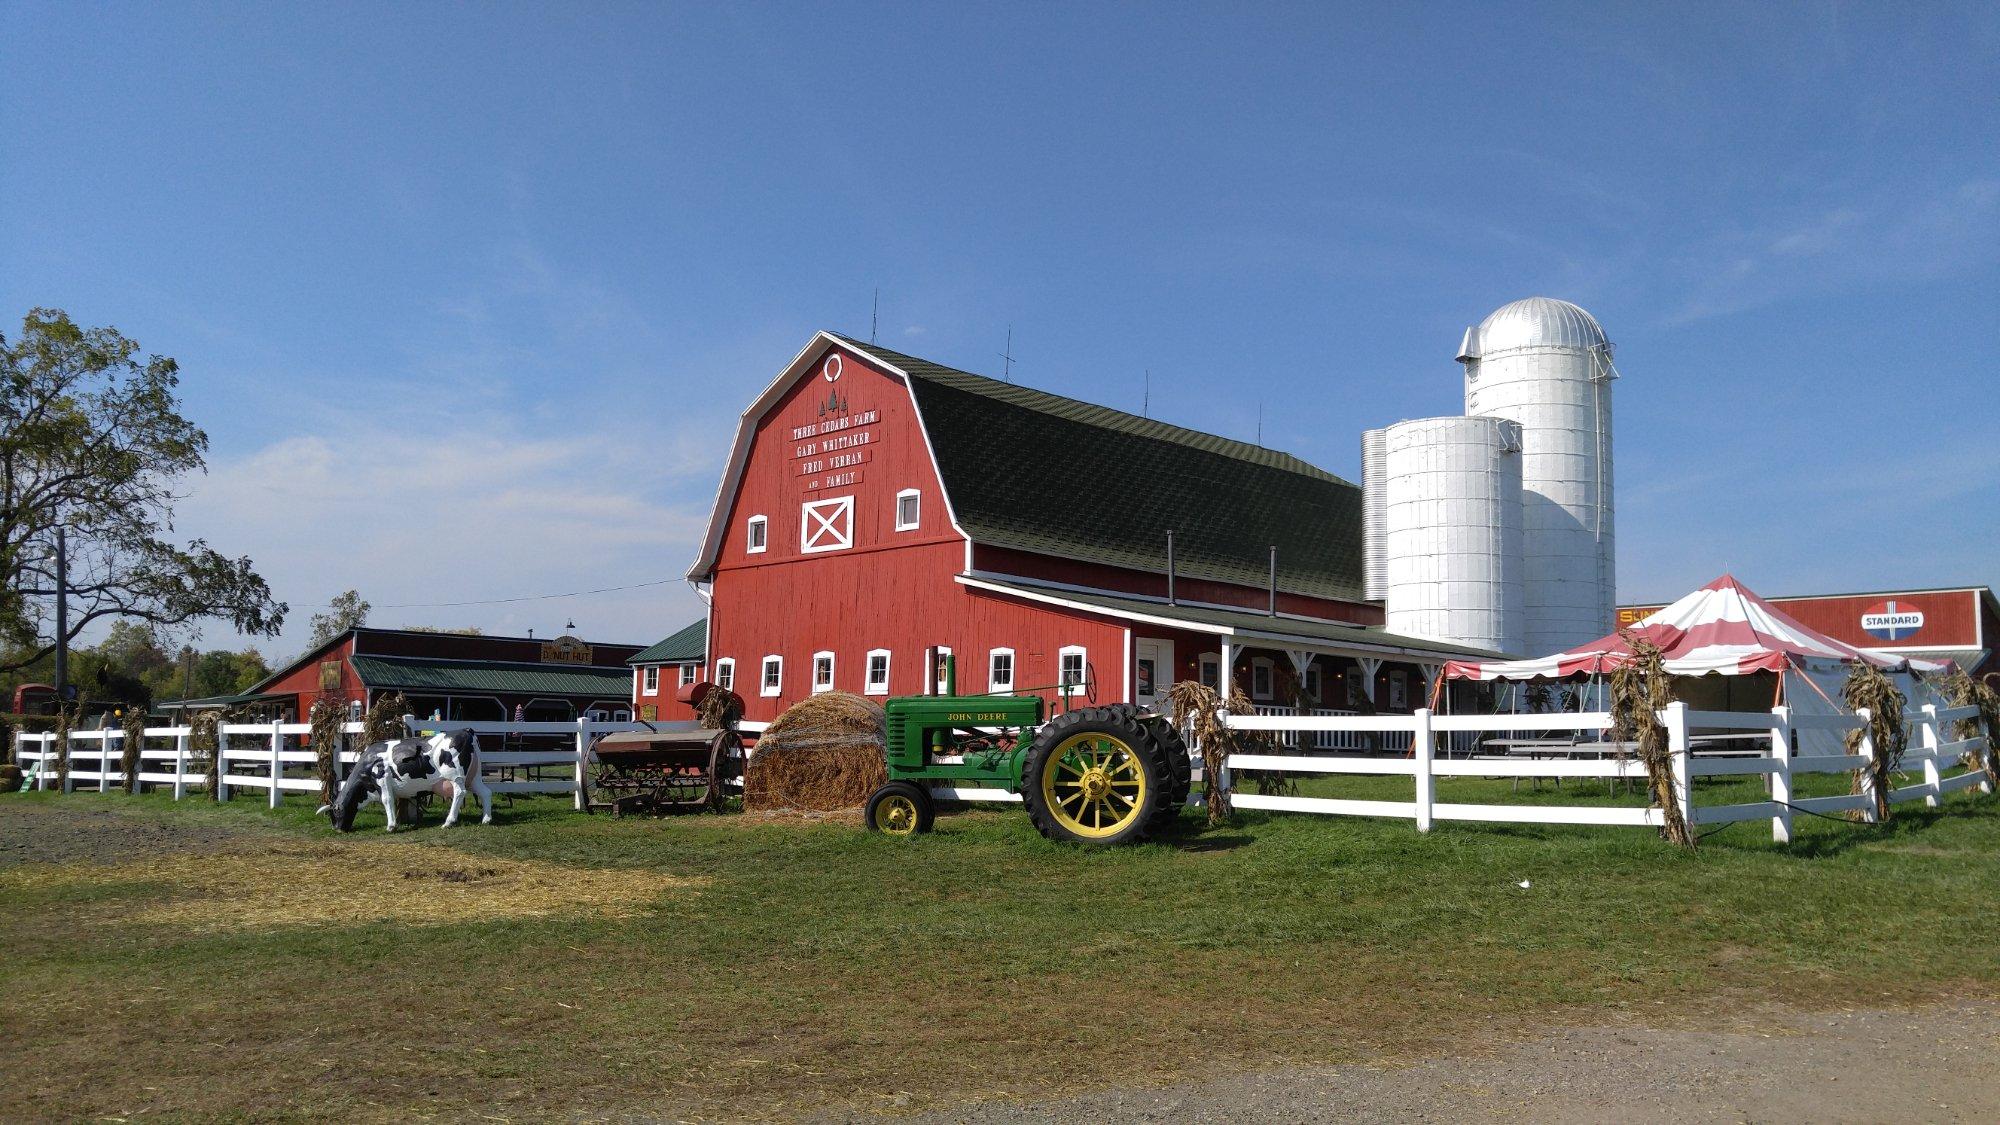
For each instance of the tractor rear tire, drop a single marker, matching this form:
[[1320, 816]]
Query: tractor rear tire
[[901, 808], [1173, 751], [1180, 766], [1096, 776]]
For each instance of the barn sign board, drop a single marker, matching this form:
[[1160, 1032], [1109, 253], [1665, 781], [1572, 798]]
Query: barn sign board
[[565, 650], [1892, 622]]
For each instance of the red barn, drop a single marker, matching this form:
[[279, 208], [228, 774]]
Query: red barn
[[876, 505], [454, 675]]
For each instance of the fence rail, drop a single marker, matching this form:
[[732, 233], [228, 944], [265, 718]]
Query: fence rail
[[274, 758], [1772, 758]]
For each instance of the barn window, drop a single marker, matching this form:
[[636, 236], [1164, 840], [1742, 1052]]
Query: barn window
[[725, 673], [1070, 668], [1316, 697], [906, 509], [757, 535], [1260, 678], [822, 672], [943, 656], [774, 675], [652, 678], [1000, 670], [826, 525], [687, 674], [878, 671], [1211, 671]]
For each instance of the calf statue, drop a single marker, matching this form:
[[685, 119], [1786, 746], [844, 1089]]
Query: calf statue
[[394, 772]]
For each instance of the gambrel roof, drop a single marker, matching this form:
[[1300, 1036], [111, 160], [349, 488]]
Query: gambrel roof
[[1038, 472]]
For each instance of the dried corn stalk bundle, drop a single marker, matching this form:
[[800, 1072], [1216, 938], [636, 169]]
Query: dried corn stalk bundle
[[1640, 690], [1866, 686]]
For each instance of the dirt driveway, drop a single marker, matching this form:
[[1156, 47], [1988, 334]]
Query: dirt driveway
[[1934, 1064]]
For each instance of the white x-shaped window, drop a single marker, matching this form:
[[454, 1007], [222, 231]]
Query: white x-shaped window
[[827, 525]]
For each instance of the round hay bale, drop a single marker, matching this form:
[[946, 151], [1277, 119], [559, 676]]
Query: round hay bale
[[824, 753]]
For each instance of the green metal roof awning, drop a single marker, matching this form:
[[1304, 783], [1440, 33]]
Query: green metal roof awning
[[423, 674], [688, 645], [1242, 626]]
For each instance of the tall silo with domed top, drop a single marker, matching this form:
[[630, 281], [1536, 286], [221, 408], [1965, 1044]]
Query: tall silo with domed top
[[1546, 364]]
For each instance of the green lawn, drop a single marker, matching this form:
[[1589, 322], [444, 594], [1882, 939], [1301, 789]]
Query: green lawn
[[817, 965]]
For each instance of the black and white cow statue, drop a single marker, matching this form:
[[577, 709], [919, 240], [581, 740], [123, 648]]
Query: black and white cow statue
[[394, 772]]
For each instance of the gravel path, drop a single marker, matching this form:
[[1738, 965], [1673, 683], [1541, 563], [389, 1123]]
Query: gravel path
[[1926, 1064]]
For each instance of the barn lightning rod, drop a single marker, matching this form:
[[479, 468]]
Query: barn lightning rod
[[1007, 370]]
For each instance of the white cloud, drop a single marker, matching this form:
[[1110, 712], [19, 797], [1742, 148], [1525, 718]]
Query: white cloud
[[450, 507]]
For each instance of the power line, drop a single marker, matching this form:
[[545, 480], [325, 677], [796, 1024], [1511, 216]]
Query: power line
[[523, 598]]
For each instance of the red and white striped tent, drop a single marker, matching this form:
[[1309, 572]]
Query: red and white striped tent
[[1722, 628]]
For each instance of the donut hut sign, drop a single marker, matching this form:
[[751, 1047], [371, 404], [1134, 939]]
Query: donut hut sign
[[834, 450], [566, 650]]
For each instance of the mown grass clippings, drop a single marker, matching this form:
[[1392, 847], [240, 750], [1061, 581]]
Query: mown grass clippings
[[344, 882]]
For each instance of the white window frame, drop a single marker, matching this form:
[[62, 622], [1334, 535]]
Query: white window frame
[[818, 532], [725, 673], [1082, 667], [1211, 670], [943, 651], [825, 685], [917, 509], [652, 679], [1315, 684], [994, 684], [688, 674], [873, 686], [765, 687], [1263, 665], [757, 535]]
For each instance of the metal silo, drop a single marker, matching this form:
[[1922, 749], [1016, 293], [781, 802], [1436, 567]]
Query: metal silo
[[1374, 563], [1452, 523], [1547, 365]]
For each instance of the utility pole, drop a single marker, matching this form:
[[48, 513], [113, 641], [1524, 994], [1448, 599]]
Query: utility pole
[[62, 617]]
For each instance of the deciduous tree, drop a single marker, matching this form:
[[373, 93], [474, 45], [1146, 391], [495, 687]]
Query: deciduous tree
[[92, 441]]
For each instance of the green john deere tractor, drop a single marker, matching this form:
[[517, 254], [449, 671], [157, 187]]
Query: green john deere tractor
[[1091, 775]]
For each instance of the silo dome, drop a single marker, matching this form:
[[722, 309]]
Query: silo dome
[[1536, 322], [1547, 365]]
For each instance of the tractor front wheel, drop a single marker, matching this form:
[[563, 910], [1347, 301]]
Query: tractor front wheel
[[901, 808], [1096, 776]]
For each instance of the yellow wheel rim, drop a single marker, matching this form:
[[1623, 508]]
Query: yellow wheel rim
[[1094, 785], [897, 816]]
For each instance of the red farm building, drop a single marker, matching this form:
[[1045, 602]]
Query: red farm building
[[1959, 623], [876, 506], [660, 671], [452, 675]]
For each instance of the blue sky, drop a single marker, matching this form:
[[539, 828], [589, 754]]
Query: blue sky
[[468, 297]]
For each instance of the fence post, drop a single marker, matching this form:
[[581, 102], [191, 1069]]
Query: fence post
[[220, 782], [1422, 748], [180, 764], [104, 759], [42, 774], [582, 759], [1781, 778], [1677, 749], [1933, 777], [1867, 767], [277, 761]]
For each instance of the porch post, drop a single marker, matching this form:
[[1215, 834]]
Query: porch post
[[1370, 667]]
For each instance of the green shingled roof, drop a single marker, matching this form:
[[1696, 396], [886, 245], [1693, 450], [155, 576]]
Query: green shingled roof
[[1033, 471], [690, 644], [424, 674]]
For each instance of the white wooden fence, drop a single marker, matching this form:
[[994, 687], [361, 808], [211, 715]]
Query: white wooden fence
[[1930, 752], [279, 762]]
